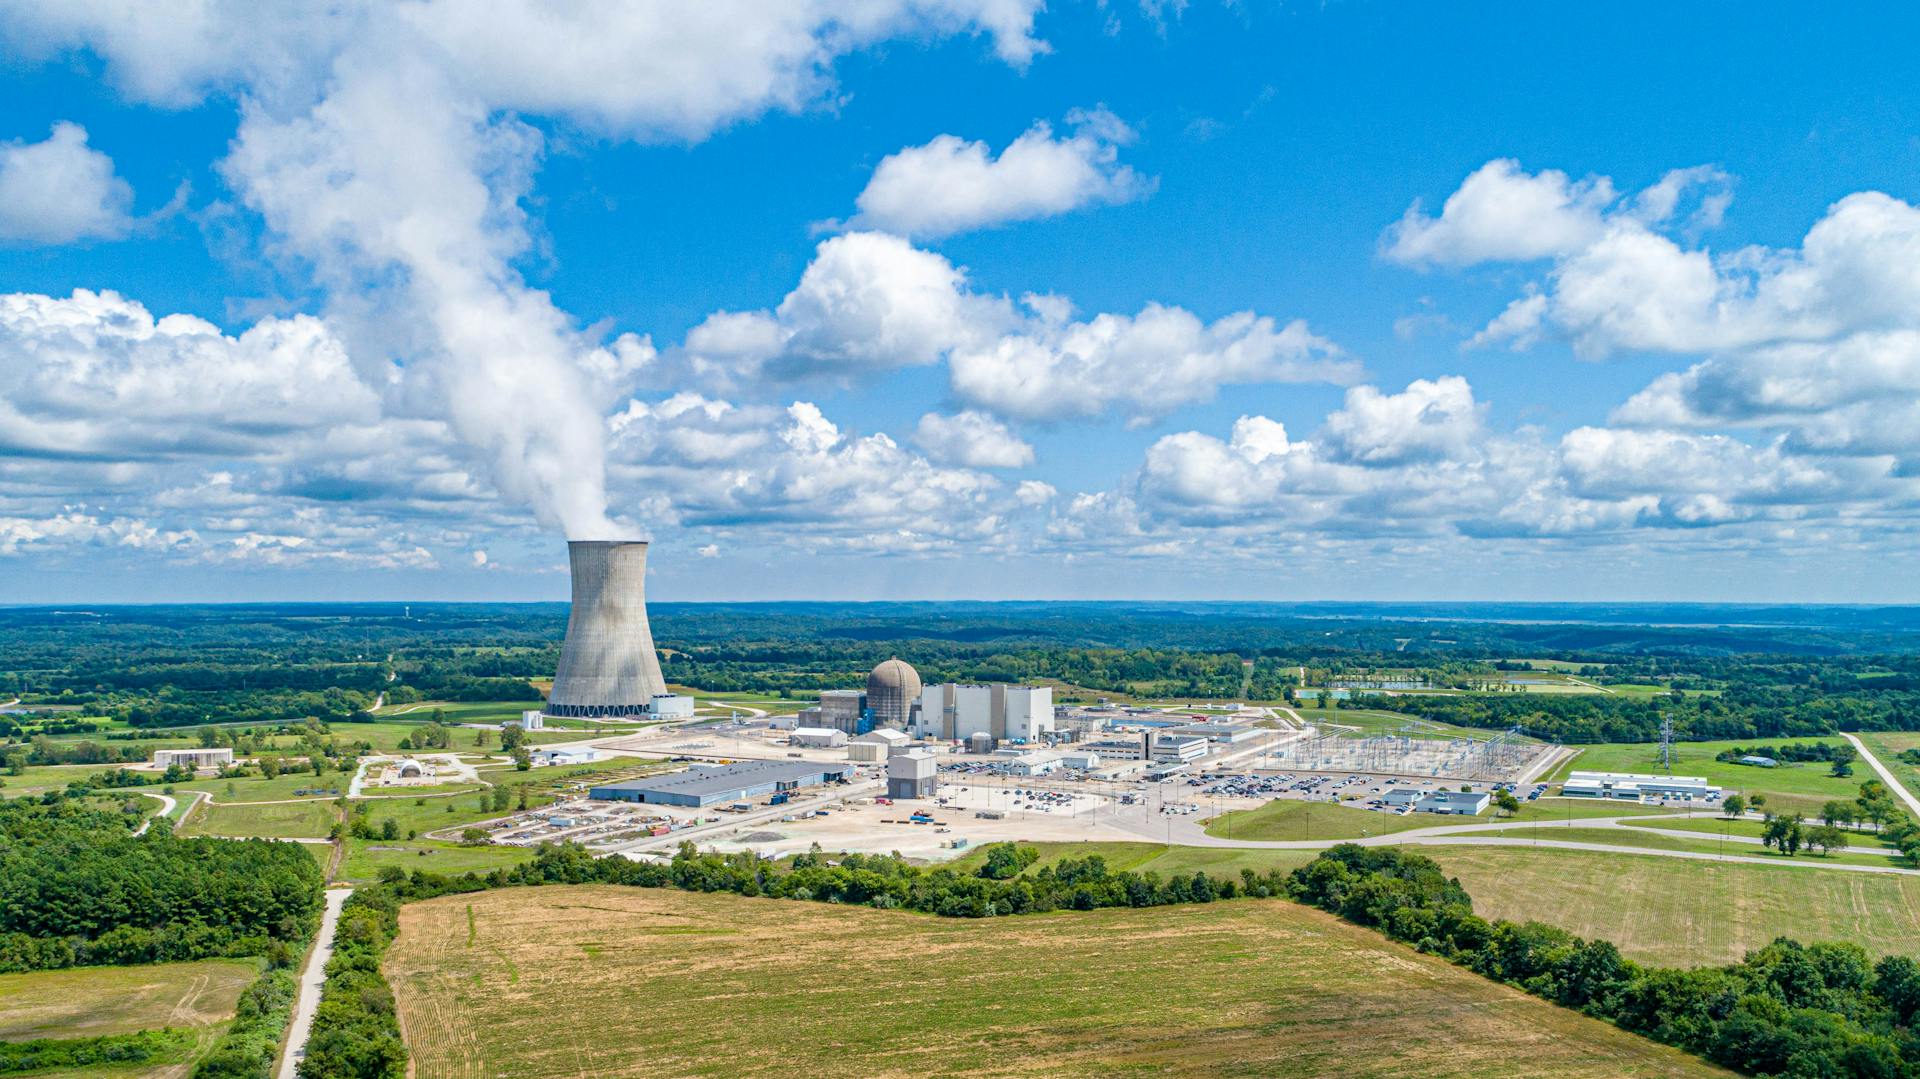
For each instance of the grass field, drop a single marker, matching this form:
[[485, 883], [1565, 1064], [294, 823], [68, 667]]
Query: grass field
[[278, 789], [550, 981], [1658, 910], [273, 820], [366, 857], [1858, 839], [88, 1002], [1285, 819], [1886, 746], [1788, 789]]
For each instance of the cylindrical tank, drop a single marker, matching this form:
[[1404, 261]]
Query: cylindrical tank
[[608, 666]]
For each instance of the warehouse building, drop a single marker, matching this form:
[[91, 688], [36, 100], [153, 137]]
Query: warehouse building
[[193, 758], [704, 786], [1121, 749], [670, 706], [1632, 786], [542, 758], [913, 774], [817, 737]]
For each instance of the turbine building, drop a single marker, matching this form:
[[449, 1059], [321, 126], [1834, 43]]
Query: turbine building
[[608, 666]]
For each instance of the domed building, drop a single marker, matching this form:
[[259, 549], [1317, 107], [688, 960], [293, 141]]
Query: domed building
[[892, 689]]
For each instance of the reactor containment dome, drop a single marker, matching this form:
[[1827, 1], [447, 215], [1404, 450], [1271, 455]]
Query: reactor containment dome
[[891, 690], [608, 666]]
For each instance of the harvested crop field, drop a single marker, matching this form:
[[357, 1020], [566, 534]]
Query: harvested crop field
[[89, 1002], [570, 981]]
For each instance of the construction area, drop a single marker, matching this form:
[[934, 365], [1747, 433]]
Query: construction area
[[1503, 757]]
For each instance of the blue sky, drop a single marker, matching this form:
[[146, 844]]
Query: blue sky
[[1708, 396]]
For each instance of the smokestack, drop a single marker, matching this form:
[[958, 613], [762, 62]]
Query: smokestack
[[608, 666]]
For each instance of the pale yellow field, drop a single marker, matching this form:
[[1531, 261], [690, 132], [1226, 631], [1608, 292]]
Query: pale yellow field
[[607, 981]]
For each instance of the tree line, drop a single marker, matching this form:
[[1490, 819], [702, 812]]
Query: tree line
[[1788, 1009]]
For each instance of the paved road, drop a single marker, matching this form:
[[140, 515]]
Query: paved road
[[307, 1001], [1899, 790], [166, 806]]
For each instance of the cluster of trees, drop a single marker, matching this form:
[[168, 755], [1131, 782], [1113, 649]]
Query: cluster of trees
[[1819, 1010], [252, 1042], [1789, 834], [1796, 752], [78, 888], [356, 1032], [108, 1051]]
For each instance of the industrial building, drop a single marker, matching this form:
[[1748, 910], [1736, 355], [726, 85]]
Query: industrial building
[[913, 774], [704, 786], [1001, 712], [892, 690], [1633, 786], [193, 758], [1174, 749], [542, 758], [1459, 803], [1214, 731], [530, 720], [876, 745], [1120, 749], [1035, 764], [607, 666], [1080, 761], [670, 706], [817, 737]]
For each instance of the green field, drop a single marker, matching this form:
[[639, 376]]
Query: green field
[[1886, 747], [1859, 839], [1647, 839], [1788, 789], [278, 789], [90, 1002], [366, 857], [547, 982], [1676, 911], [272, 820]]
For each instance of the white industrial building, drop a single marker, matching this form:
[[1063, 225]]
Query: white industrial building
[[193, 758], [1080, 761], [670, 706], [1178, 750], [541, 758], [783, 723], [817, 737], [1035, 764], [1119, 749], [530, 720], [913, 774], [1632, 786], [1003, 713], [876, 745]]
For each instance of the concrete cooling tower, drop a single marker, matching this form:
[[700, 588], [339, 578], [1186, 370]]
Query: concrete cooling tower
[[608, 666]]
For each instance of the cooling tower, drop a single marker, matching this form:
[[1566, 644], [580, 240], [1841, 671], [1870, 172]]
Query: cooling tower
[[608, 666]]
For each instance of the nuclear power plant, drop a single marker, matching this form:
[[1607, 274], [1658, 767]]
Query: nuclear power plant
[[608, 666]]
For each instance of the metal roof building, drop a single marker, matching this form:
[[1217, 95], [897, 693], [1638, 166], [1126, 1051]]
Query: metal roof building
[[726, 783]]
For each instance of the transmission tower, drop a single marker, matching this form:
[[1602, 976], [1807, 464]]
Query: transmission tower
[[1666, 744]]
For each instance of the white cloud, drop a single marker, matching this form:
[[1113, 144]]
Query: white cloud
[[711, 550], [1430, 419], [60, 191], [973, 439], [950, 185], [871, 301], [1032, 493], [1501, 212], [384, 149], [96, 375], [1141, 365]]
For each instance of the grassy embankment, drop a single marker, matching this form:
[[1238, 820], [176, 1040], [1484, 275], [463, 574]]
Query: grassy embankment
[[545, 982]]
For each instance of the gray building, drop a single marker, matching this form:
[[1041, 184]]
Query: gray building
[[723, 783], [913, 774], [193, 758], [842, 709], [608, 666]]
